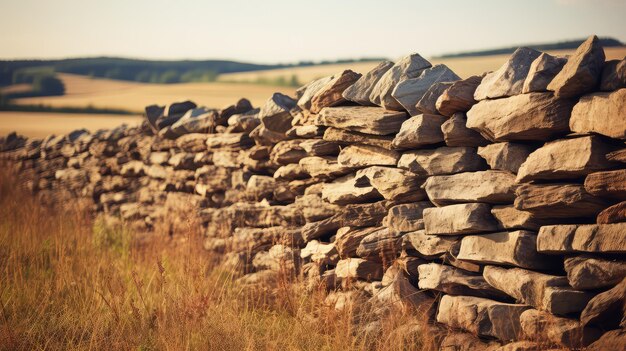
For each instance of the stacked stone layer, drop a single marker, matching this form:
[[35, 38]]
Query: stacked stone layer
[[493, 205]]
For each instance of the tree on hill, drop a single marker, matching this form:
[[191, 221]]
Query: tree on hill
[[45, 85]]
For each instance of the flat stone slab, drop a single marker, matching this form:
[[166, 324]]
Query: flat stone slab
[[526, 117], [349, 138], [453, 281], [508, 217], [392, 183], [505, 156], [441, 161], [363, 119], [406, 217], [518, 248], [428, 246], [382, 245], [327, 167], [607, 310], [367, 155], [456, 133], [358, 268], [613, 214], [546, 328], [588, 272], [602, 113], [344, 191], [611, 184], [494, 187], [557, 201], [331, 94], [347, 239], [591, 238], [481, 316], [544, 292], [459, 219], [419, 131]]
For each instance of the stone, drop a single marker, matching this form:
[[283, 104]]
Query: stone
[[348, 137], [453, 281], [451, 258], [613, 214], [419, 131], [613, 75], [275, 115], [526, 117], [611, 340], [406, 217], [348, 239], [520, 346], [543, 69], [517, 248], [320, 253], [369, 120], [428, 246], [428, 103], [326, 167], [196, 120], [358, 268], [392, 183], [582, 71], [367, 155], [565, 159], [544, 327], [494, 187], [602, 113], [544, 292], [291, 171], [402, 294], [224, 141], [610, 184], [410, 91], [617, 156], [382, 246], [456, 341], [307, 132], [313, 209], [505, 156], [331, 93], [441, 161], [591, 238], [244, 122], [459, 219], [408, 67], [263, 136], [343, 191], [557, 201], [310, 90], [361, 90], [587, 272], [364, 215], [455, 133], [508, 217], [509, 79], [481, 316], [459, 97], [607, 310]]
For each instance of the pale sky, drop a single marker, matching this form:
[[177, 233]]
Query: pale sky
[[271, 31]]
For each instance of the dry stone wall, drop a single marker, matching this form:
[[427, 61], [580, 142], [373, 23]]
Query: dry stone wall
[[494, 206]]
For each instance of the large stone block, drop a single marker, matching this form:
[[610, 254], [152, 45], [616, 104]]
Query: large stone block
[[367, 155], [453, 281], [409, 92], [392, 183], [406, 217], [602, 113], [361, 90], [344, 191], [557, 201], [611, 184], [349, 138], [428, 102], [370, 120], [459, 97], [382, 245], [505, 156], [331, 93], [608, 309], [495, 187], [546, 328], [613, 214], [543, 69], [509, 79], [358, 268], [441, 161], [592, 238], [588, 272], [459, 219], [455, 132], [428, 246], [419, 131]]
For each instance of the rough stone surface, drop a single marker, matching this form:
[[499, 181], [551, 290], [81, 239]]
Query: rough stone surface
[[455, 132], [418, 131], [613, 214], [369, 120], [607, 310], [557, 201], [592, 238], [459, 97], [344, 191], [612, 340], [310, 90], [359, 268], [543, 69], [494, 187], [610, 184], [361, 90], [588, 272], [582, 71], [613, 75], [428, 102], [544, 327], [392, 183], [505, 156], [509, 79], [526, 117], [602, 113], [331, 93], [459, 219], [441, 161], [508, 217], [453, 281], [406, 217], [409, 92], [349, 137], [275, 115], [367, 155], [428, 246]]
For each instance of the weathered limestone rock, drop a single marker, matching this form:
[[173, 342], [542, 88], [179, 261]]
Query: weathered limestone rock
[[361, 90], [454, 281], [428, 102], [382, 245], [613, 75], [194, 142], [459, 97], [617, 156], [364, 215], [481, 316], [543, 69], [418, 131], [320, 253], [308, 131], [358, 268], [557, 201], [588, 272], [544, 292], [327, 167], [459, 219], [509, 79], [348, 137], [344, 191], [582, 71], [612, 340], [367, 155], [310, 90], [602, 113], [520, 346], [455, 133], [318, 147], [331, 93], [441, 161], [592, 238], [455, 341], [613, 214], [370, 120], [406, 217], [611, 184], [275, 115], [348, 239], [544, 327], [607, 310], [494, 187], [527, 117], [228, 141], [518, 248], [244, 122], [196, 120], [508, 217], [505, 156], [409, 92], [392, 183], [314, 209], [408, 67], [428, 246], [290, 172]]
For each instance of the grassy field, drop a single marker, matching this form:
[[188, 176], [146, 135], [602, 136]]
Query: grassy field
[[69, 282]]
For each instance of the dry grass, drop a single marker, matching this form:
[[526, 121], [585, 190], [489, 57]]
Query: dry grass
[[69, 282]]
